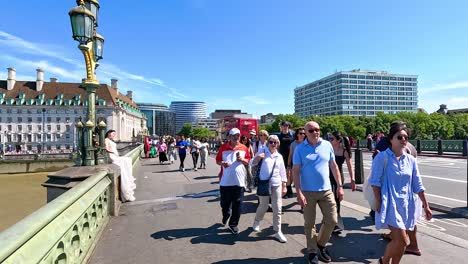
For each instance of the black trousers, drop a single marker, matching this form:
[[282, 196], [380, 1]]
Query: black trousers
[[231, 200], [334, 186], [195, 156], [182, 158]]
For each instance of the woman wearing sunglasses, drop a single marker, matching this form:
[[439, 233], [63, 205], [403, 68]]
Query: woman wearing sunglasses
[[394, 178], [342, 150], [272, 167]]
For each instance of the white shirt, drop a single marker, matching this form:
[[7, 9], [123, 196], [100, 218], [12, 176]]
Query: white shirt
[[279, 173], [262, 147]]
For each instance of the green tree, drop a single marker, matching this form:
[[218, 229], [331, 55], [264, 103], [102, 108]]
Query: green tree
[[460, 123], [202, 132], [294, 119], [441, 127], [267, 127], [186, 130]]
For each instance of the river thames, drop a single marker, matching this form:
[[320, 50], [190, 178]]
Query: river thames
[[20, 195]]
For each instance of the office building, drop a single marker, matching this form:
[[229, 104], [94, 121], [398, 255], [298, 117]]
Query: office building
[[357, 93], [160, 121], [187, 112]]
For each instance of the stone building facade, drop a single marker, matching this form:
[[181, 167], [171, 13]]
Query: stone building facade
[[38, 116]]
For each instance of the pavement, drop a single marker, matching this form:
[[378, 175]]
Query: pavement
[[176, 218]]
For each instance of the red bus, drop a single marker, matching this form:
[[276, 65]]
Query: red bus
[[243, 124]]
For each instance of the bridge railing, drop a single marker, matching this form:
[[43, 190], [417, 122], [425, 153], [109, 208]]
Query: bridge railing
[[66, 229], [439, 146]]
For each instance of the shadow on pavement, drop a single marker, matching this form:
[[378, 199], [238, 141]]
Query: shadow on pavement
[[205, 177], [187, 232], [214, 234], [165, 171], [263, 260], [357, 247], [214, 192]]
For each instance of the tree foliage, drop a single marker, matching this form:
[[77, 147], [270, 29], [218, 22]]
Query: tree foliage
[[202, 132], [186, 130], [422, 125]]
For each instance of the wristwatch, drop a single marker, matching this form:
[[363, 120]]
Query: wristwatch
[[341, 185]]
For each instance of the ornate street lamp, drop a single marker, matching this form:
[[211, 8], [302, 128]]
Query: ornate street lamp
[[84, 22]]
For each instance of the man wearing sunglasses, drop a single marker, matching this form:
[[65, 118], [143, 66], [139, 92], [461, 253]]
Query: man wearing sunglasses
[[311, 162]]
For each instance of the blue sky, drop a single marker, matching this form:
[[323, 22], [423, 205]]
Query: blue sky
[[245, 54]]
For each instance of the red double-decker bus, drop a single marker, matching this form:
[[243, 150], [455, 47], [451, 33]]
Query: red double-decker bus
[[245, 125]]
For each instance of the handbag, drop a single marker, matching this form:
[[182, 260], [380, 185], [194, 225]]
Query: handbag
[[263, 188], [367, 188], [255, 170]]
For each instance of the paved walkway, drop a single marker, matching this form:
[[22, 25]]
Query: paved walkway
[[176, 219]]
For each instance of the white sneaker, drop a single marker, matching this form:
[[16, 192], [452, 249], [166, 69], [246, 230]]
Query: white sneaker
[[195, 169], [256, 226], [183, 169], [281, 238]]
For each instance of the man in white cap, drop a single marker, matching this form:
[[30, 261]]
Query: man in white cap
[[233, 157]]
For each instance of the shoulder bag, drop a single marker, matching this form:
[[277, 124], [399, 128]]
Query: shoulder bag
[[263, 188]]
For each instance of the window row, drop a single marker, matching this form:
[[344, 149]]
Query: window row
[[29, 128]]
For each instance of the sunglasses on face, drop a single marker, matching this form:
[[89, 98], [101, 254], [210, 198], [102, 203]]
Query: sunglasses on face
[[400, 137], [301, 133], [273, 142], [314, 130]]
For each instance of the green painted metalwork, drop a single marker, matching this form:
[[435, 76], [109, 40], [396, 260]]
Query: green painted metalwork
[[63, 230], [428, 145], [452, 145], [431, 145]]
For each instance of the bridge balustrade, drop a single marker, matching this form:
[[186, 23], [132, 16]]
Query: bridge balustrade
[[68, 228]]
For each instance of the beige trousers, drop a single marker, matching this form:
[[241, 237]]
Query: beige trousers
[[327, 204], [276, 203]]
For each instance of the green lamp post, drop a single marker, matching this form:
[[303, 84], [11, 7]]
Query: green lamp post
[[83, 20]]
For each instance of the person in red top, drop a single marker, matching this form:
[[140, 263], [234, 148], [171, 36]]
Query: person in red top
[[233, 157]]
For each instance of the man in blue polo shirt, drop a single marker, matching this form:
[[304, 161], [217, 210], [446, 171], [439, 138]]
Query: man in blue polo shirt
[[311, 162]]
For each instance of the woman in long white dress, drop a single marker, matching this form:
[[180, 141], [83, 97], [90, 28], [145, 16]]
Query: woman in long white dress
[[127, 181]]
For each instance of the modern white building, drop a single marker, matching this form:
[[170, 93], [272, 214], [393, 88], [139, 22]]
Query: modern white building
[[211, 124], [357, 93], [187, 112], [41, 116]]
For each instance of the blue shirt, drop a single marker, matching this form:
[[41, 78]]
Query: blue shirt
[[314, 162], [182, 146], [399, 183]]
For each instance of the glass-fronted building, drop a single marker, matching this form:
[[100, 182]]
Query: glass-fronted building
[[357, 93], [160, 121], [187, 112]]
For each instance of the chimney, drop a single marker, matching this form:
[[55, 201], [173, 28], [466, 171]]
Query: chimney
[[53, 80], [40, 79], [130, 95], [115, 84], [11, 78]]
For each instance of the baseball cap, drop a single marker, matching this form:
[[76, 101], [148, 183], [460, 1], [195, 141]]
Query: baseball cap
[[285, 123], [252, 132], [234, 131]]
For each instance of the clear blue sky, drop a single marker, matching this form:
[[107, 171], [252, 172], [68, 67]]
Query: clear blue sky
[[245, 54]]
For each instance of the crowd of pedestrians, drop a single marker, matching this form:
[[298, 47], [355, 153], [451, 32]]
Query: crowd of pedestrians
[[313, 165]]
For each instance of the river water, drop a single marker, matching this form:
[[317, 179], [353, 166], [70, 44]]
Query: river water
[[20, 195]]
